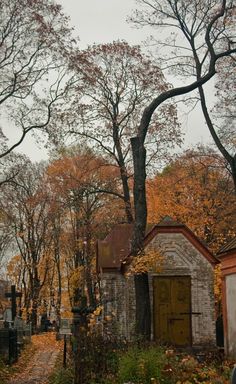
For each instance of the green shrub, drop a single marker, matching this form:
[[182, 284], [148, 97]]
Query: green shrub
[[142, 366], [62, 376]]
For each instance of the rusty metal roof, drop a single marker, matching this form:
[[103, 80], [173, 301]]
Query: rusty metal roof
[[115, 247], [230, 246]]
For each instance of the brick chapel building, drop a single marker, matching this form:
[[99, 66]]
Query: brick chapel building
[[181, 294]]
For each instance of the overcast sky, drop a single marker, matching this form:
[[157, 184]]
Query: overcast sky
[[98, 21]]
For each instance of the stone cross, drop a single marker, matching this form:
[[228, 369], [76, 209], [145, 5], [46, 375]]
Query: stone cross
[[13, 295]]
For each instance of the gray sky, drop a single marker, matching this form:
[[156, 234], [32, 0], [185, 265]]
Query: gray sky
[[103, 21]]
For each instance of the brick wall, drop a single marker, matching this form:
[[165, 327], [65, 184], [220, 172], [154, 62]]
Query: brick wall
[[181, 258], [118, 298]]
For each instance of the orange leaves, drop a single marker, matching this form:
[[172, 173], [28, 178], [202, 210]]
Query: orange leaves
[[46, 341], [195, 190], [218, 285], [78, 170]]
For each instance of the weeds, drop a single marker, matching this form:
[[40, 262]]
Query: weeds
[[156, 365], [60, 374]]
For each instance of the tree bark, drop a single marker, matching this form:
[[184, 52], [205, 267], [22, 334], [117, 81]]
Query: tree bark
[[35, 298], [123, 174], [59, 289], [128, 208], [139, 190], [143, 309], [233, 170]]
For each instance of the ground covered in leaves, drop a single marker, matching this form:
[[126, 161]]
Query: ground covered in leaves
[[35, 363], [41, 362]]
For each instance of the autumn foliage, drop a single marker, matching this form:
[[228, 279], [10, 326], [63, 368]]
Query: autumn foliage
[[196, 190]]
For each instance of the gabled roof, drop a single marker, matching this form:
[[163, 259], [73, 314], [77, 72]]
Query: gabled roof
[[167, 225], [115, 249], [168, 221]]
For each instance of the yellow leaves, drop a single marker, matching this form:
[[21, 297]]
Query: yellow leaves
[[98, 310], [77, 277], [93, 323], [217, 284], [149, 261]]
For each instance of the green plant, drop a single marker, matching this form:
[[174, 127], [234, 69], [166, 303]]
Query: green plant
[[62, 376], [142, 366]]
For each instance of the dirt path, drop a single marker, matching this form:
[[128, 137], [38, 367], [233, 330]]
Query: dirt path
[[40, 365]]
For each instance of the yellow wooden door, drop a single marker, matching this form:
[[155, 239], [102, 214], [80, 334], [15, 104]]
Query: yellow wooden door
[[172, 309]]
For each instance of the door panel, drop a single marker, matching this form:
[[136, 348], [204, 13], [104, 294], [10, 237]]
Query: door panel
[[172, 307]]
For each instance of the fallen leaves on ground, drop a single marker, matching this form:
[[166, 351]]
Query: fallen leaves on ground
[[36, 361]]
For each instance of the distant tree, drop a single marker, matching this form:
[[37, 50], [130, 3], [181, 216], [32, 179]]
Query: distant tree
[[34, 43], [115, 82], [81, 183], [10, 166], [26, 207]]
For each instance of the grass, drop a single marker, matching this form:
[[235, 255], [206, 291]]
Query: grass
[[60, 374]]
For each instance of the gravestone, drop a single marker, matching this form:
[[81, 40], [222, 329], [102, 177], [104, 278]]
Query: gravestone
[[19, 325], [7, 317]]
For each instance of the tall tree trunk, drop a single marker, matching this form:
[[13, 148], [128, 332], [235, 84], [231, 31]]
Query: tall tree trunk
[[127, 202], [140, 205], [59, 289], [233, 171], [123, 174], [88, 259], [143, 309], [35, 300]]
